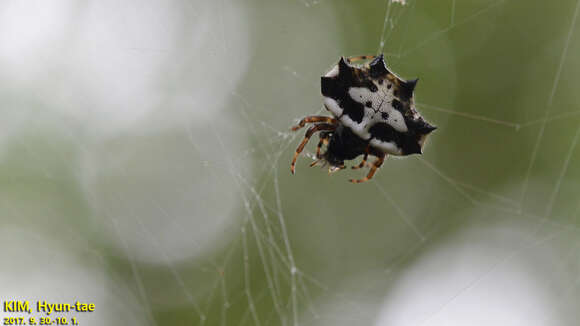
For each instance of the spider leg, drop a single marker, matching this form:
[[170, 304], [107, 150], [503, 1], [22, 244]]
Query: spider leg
[[362, 163], [323, 141], [314, 119], [309, 133], [315, 162], [324, 136], [376, 164], [364, 160]]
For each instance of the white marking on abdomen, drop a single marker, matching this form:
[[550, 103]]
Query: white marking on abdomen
[[332, 106], [386, 146], [397, 121], [333, 72], [358, 128]]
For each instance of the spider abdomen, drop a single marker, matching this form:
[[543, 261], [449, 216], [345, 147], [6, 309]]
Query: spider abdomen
[[373, 113]]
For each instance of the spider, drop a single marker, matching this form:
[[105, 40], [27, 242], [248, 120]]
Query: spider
[[373, 113]]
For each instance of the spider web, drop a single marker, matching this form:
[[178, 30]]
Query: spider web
[[195, 218]]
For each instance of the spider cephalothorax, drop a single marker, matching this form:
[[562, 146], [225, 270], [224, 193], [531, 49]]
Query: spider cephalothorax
[[373, 114]]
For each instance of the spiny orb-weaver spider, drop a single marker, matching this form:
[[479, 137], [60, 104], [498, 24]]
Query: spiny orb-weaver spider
[[373, 113]]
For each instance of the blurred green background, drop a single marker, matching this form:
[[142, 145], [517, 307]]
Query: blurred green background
[[145, 164]]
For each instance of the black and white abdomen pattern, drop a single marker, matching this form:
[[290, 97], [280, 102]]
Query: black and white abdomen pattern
[[376, 105], [373, 114], [377, 108]]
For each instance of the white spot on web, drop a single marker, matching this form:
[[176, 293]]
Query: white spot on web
[[169, 201], [160, 179], [479, 277], [111, 63]]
